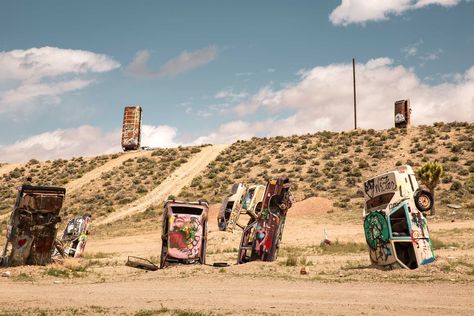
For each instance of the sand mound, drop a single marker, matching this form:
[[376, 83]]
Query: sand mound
[[311, 206]]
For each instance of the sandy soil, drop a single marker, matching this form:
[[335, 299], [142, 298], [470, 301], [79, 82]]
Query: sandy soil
[[236, 296], [339, 283]]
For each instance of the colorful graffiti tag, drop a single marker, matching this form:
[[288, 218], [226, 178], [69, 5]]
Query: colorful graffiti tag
[[185, 233], [380, 185], [377, 237], [376, 229]]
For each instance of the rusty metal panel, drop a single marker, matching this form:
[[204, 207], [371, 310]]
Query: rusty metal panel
[[131, 129], [33, 226], [402, 113], [184, 235]]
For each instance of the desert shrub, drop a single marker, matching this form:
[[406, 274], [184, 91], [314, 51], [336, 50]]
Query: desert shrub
[[456, 186]]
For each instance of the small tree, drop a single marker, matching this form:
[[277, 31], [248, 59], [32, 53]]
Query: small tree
[[430, 174]]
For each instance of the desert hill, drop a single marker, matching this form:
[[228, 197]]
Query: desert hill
[[325, 164]]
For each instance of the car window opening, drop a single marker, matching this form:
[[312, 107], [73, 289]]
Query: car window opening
[[406, 254], [399, 223], [379, 202], [186, 210]]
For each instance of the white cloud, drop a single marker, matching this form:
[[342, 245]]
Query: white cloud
[[230, 94], [322, 100], [45, 74], [29, 91], [85, 140], [433, 55], [159, 136], [182, 63], [412, 49], [361, 11]]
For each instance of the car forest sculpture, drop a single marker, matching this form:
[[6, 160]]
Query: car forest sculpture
[[395, 228], [184, 234], [33, 225], [75, 235], [247, 200], [262, 236], [231, 206]]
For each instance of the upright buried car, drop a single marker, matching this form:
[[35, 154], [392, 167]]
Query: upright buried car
[[75, 235], [231, 205], [131, 129], [184, 236], [261, 238], [395, 229], [33, 226]]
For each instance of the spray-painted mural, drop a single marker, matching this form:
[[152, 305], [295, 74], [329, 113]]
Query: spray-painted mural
[[262, 236], [395, 229], [75, 235], [184, 236]]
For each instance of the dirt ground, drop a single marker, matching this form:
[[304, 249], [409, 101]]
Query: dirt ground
[[340, 280]]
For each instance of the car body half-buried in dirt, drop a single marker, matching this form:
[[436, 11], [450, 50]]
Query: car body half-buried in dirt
[[33, 226], [184, 234], [262, 236], [75, 235], [230, 206], [395, 228], [250, 199]]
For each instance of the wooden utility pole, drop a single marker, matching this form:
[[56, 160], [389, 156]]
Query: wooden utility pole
[[355, 102]]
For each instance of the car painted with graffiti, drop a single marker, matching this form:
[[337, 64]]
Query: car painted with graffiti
[[231, 205], [262, 236], [131, 128], [184, 234], [75, 235], [249, 205], [33, 225], [395, 228]]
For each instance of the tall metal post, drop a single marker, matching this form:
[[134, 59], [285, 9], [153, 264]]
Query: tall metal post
[[355, 102]]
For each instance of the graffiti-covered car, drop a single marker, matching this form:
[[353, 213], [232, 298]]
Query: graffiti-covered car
[[231, 205], [131, 128], [395, 228], [262, 236], [184, 234], [75, 235], [33, 225]]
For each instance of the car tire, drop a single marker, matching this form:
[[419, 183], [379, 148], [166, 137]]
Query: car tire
[[424, 200]]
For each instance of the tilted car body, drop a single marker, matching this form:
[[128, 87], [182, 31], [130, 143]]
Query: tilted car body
[[262, 236], [184, 234], [231, 205], [395, 228], [33, 225], [75, 235]]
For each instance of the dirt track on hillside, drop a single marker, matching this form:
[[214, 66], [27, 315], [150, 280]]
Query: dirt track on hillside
[[8, 167], [108, 166], [172, 185]]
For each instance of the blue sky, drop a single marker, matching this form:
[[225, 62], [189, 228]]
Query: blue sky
[[217, 71]]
